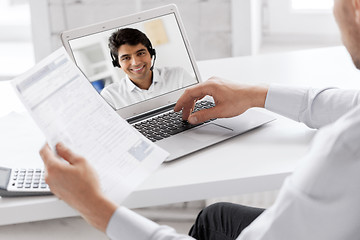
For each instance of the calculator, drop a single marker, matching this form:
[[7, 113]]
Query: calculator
[[17, 182]]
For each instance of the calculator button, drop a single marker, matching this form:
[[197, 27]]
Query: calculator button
[[30, 179]]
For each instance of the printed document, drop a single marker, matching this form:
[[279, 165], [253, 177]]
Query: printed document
[[68, 109]]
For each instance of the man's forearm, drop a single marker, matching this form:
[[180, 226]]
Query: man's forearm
[[98, 211], [259, 96]]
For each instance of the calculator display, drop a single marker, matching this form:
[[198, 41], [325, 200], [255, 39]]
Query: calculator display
[[4, 177]]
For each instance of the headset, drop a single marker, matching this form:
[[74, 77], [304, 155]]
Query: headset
[[115, 59]]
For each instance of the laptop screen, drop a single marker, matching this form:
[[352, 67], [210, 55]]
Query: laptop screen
[[141, 73]]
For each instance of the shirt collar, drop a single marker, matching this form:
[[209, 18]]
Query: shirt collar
[[132, 87], [129, 84]]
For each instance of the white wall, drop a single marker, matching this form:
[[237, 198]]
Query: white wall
[[216, 28], [246, 27], [207, 22], [286, 24]]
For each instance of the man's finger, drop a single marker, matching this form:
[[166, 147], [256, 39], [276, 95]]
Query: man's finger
[[203, 115], [186, 111], [66, 153], [47, 155], [186, 101]]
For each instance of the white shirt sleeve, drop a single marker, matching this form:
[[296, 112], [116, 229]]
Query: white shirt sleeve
[[126, 224], [321, 199], [314, 107]]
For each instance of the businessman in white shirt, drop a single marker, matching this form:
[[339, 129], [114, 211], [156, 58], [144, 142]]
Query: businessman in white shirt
[[318, 201], [132, 51]]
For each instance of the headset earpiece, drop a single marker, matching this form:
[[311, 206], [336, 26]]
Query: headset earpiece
[[152, 52], [115, 60]]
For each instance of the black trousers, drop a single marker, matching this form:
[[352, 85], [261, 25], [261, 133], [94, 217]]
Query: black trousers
[[223, 221]]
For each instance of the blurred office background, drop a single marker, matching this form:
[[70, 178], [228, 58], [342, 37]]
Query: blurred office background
[[29, 31]]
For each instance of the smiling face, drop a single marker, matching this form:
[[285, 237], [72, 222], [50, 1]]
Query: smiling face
[[347, 15], [135, 61]]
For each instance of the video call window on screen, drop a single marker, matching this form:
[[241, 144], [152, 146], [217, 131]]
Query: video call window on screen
[[172, 67]]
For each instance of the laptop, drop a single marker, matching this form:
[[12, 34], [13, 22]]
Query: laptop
[[175, 65]]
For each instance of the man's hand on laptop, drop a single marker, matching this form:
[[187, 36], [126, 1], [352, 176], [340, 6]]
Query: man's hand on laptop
[[230, 100]]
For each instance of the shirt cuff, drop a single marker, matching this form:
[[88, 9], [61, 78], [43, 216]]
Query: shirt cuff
[[126, 224], [286, 101]]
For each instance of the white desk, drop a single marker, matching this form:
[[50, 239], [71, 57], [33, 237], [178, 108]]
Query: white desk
[[256, 161]]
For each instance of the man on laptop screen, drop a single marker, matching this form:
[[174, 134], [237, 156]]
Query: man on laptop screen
[[144, 92], [132, 51]]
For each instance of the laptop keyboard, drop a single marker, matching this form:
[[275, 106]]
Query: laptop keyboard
[[169, 123]]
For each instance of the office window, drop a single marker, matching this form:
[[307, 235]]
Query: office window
[[15, 20], [15, 40], [307, 17], [311, 5]]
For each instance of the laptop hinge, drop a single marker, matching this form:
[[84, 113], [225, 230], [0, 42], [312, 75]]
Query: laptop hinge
[[150, 114]]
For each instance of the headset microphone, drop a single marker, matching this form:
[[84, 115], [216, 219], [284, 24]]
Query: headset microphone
[[115, 61], [153, 53]]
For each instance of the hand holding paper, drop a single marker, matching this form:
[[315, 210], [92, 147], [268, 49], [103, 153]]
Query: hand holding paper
[[68, 109], [77, 183]]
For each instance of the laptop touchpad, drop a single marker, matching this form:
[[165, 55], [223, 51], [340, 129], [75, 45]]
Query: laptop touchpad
[[208, 132]]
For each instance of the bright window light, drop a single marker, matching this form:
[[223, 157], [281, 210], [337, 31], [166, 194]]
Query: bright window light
[[14, 12], [15, 38], [312, 5]]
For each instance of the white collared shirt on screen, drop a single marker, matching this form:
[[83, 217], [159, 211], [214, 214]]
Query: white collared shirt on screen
[[125, 92]]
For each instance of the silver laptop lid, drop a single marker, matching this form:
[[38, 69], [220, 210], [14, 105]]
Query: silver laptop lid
[[88, 47]]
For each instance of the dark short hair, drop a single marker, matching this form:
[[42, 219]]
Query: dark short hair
[[128, 36]]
